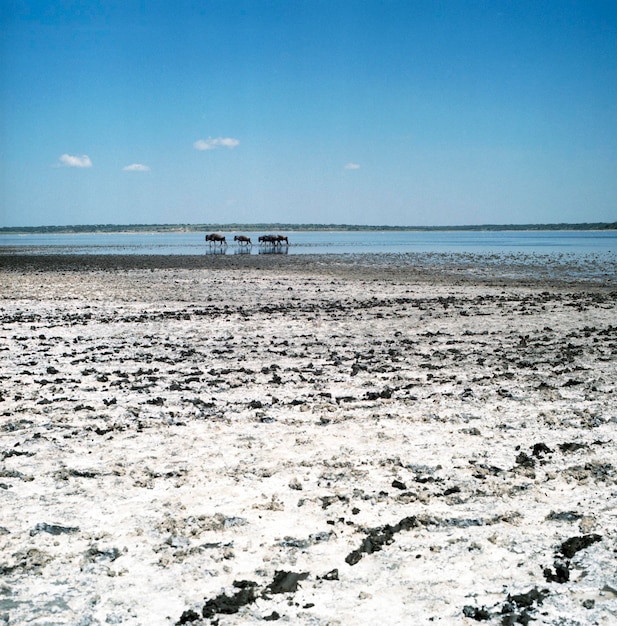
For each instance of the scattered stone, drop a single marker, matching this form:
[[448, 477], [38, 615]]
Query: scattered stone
[[295, 484], [94, 553], [331, 575], [561, 574], [573, 545], [228, 605], [479, 614], [565, 516], [525, 461], [529, 598], [571, 447], [379, 537], [53, 529], [540, 449], [187, 617], [286, 582]]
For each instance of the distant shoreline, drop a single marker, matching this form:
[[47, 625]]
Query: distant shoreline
[[181, 228]]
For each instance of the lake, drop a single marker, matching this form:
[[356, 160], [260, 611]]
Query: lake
[[320, 242]]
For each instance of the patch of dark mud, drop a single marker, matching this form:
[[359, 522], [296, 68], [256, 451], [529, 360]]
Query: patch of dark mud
[[228, 604], [379, 537], [517, 609], [53, 529], [247, 593], [286, 582], [575, 544]]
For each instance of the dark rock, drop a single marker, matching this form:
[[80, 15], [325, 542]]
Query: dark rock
[[528, 599], [541, 448], [561, 575], [385, 394], [510, 619], [565, 516], [379, 537], [397, 484], [571, 446], [272, 617], [573, 545], [244, 584], [227, 605], [340, 399], [479, 614], [466, 522], [357, 367], [188, 616], [331, 575], [77, 473], [53, 529], [524, 460], [286, 582], [95, 554], [474, 432]]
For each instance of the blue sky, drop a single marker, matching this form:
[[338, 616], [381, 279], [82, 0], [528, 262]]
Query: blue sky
[[411, 112]]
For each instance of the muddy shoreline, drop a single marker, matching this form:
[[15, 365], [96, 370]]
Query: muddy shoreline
[[591, 271], [320, 441]]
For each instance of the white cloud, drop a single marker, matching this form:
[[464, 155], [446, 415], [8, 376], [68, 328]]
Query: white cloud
[[68, 160], [352, 166], [218, 142], [136, 167]]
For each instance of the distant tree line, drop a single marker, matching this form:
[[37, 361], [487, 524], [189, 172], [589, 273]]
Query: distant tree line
[[168, 228]]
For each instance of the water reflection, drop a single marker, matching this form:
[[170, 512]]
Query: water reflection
[[219, 250], [274, 250], [320, 242]]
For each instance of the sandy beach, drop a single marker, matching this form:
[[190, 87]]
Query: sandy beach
[[316, 440]]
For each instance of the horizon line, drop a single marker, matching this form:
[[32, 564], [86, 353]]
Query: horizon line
[[234, 226]]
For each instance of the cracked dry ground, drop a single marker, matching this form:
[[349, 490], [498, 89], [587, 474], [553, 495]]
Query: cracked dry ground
[[231, 447]]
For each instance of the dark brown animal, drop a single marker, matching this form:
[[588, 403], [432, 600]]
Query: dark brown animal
[[275, 240], [214, 238], [243, 240]]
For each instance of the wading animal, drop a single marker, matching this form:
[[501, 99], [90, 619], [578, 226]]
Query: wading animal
[[274, 240], [214, 238]]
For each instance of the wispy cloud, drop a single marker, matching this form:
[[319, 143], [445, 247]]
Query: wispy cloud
[[213, 144], [69, 160], [352, 166], [136, 167]]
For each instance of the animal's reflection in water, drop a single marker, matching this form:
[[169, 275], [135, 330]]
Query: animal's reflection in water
[[274, 250], [218, 250]]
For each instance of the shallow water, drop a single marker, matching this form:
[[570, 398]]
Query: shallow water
[[320, 242]]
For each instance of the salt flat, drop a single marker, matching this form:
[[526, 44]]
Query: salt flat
[[311, 441]]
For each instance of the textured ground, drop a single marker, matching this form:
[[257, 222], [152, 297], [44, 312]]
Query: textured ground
[[310, 441]]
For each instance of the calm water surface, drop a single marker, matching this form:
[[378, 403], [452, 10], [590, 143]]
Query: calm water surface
[[321, 242]]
